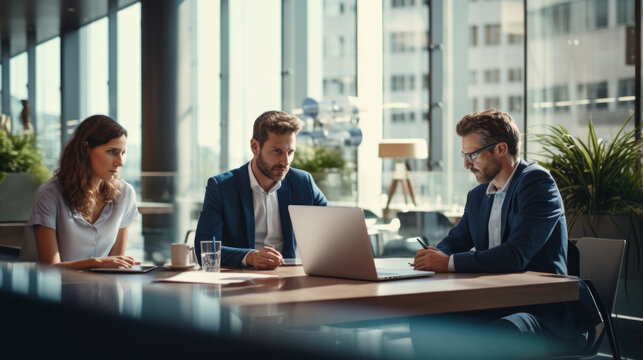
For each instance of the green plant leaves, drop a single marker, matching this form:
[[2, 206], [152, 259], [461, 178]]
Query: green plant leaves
[[18, 153], [595, 176], [318, 159]]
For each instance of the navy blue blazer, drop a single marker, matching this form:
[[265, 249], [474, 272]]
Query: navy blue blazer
[[533, 233], [533, 238], [228, 212]]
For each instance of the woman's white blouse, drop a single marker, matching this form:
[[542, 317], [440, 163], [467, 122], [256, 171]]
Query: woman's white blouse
[[77, 238]]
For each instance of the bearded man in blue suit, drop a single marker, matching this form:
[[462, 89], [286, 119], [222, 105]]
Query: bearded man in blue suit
[[514, 221], [247, 208]]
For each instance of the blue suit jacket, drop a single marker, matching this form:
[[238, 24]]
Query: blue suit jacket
[[533, 238], [533, 233], [228, 212]]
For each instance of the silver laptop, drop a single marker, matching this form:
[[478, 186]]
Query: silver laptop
[[333, 241]]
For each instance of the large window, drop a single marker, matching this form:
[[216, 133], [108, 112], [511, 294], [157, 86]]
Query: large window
[[492, 34], [48, 100], [569, 83], [478, 62], [624, 11], [255, 70], [94, 61], [129, 89], [208, 109], [405, 50], [18, 66], [322, 66], [128, 112]]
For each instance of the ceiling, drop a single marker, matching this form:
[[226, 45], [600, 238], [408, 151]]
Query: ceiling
[[47, 18]]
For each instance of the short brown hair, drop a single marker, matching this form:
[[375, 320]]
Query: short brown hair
[[492, 126], [277, 122]]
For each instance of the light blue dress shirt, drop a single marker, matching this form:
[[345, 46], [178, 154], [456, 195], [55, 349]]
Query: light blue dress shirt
[[495, 217]]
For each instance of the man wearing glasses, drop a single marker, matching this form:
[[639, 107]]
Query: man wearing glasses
[[514, 221]]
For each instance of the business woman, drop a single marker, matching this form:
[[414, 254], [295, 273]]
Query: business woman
[[80, 216]]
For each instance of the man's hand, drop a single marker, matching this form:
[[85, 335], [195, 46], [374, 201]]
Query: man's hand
[[431, 259], [266, 258]]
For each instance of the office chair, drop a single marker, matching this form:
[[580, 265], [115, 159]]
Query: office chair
[[598, 262]]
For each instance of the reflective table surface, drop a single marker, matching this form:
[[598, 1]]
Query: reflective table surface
[[286, 315]]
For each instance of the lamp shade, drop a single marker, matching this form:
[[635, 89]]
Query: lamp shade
[[404, 148]]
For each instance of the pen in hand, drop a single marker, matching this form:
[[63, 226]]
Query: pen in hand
[[421, 242]]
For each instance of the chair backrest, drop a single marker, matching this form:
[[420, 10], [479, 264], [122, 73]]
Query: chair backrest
[[600, 262], [28, 251], [432, 225]]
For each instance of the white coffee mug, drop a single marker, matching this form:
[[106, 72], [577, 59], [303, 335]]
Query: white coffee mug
[[183, 255]]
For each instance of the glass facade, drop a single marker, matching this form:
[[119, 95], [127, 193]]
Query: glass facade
[[208, 97], [478, 64], [331, 46], [577, 66], [128, 112], [94, 75], [48, 101], [18, 91], [254, 62], [129, 90], [406, 85]]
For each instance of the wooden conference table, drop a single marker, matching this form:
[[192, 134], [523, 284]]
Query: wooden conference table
[[311, 300], [289, 300]]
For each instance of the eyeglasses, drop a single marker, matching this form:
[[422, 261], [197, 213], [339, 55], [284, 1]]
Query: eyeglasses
[[473, 155]]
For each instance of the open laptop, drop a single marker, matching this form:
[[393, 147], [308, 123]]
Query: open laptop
[[333, 241]]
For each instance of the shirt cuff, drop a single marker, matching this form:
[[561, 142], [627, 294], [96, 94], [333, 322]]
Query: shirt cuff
[[451, 265], [243, 261]]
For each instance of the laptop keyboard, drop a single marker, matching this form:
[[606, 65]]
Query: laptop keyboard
[[394, 272]]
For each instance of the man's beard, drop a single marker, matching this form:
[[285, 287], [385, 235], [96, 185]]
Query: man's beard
[[487, 174], [267, 172]]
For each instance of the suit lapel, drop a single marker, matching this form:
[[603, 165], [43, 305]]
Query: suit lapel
[[247, 204], [508, 198], [285, 198]]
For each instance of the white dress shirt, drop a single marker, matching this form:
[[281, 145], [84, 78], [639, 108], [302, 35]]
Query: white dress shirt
[[495, 217], [267, 219]]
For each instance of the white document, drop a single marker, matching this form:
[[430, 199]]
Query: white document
[[202, 277]]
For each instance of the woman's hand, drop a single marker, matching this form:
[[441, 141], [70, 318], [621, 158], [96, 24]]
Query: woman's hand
[[118, 261]]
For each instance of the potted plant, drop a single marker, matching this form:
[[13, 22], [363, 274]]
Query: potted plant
[[601, 185], [21, 172], [331, 172]]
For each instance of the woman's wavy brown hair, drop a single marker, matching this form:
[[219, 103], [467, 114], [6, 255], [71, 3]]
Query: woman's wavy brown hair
[[75, 170]]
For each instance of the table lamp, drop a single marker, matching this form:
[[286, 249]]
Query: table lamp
[[401, 149]]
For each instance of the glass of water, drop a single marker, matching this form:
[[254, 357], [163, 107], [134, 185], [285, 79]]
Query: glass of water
[[211, 255]]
